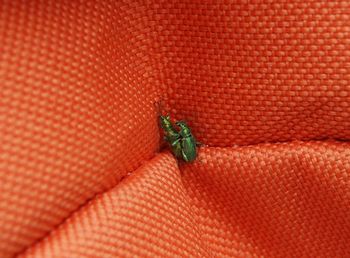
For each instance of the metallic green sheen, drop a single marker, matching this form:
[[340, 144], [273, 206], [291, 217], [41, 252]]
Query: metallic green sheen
[[188, 142], [172, 136]]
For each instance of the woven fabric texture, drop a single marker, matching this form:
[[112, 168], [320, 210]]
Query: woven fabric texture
[[271, 200], [79, 87]]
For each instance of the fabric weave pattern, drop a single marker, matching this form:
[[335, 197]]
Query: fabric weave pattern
[[79, 86]]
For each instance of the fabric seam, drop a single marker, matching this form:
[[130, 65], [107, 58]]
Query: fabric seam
[[21, 252]]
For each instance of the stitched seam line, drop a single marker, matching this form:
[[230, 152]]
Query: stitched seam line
[[37, 241]]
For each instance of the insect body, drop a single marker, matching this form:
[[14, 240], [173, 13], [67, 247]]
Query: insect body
[[172, 136], [187, 141]]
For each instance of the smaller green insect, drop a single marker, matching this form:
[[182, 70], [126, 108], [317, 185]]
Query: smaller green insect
[[172, 136], [187, 141]]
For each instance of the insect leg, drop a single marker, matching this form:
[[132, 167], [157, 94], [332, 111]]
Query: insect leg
[[175, 142], [184, 156]]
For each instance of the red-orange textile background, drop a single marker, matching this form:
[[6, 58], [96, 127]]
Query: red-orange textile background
[[265, 85]]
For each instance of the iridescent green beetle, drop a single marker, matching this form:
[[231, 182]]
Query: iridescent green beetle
[[188, 142], [172, 136]]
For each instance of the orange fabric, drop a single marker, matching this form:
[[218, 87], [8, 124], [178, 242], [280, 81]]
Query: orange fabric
[[79, 82], [282, 200]]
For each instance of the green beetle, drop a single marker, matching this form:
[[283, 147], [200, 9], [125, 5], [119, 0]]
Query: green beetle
[[188, 142], [172, 136]]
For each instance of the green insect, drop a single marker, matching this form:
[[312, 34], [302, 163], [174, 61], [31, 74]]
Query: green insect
[[172, 136], [187, 141]]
